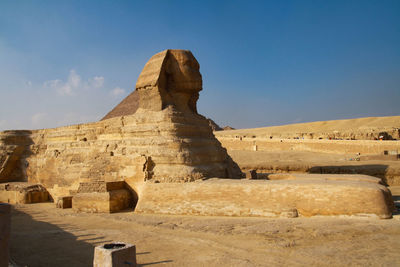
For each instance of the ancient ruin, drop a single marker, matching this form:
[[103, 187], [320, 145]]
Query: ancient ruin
[[155, 153], [164, 141]]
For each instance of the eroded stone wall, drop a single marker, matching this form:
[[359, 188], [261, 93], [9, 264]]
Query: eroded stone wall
[[285, 197], [155, 146], [14, 146]]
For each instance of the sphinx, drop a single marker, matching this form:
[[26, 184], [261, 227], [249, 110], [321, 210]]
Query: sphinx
[[154, 135], [155, 153]]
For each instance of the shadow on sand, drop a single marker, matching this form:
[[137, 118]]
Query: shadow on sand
[[36, 243]]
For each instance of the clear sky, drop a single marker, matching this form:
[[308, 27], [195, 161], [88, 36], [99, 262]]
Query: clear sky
[[263, 62]]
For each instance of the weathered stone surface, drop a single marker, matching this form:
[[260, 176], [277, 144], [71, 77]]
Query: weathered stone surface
[[23, 193], [316, 195], [107, 202], [5, 224], [14, 147], [100, 187], [171, 77], [103, 197], [115, 254], [64, 202]]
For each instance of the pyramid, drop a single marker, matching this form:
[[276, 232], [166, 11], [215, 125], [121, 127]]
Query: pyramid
[[128, 106]]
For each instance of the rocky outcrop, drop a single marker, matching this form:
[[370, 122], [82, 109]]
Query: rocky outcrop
[[14, 148], [165, 140]]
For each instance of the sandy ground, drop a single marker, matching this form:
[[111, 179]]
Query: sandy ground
[[45, 236]]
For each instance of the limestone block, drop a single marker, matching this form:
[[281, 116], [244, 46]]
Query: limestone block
[[102, 197], [120, 199], [64, 202], [91, 202], [107, 202], [23, 193], [100, 186], [302, 197], [36, 197], [5, 222], [115, 254]]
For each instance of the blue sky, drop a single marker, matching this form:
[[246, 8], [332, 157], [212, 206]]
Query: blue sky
[[263, 62]]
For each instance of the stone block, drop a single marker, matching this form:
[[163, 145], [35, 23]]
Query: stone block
[[5, 222], [102, 197], [91, 202], [23, 193], [116, 254], [64, 202], [288, 196]]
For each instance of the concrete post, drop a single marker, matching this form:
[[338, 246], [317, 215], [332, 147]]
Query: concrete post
[[115, 255], [5, 223]]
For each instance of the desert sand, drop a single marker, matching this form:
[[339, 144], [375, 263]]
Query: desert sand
[[63, 238]]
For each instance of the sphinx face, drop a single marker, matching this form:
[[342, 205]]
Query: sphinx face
[[183, 73], [183, 80], [170, 78]]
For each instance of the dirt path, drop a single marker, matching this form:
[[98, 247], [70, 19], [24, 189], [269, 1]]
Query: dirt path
[[45, 236]]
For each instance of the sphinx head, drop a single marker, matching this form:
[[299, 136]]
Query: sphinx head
[[171, 77]]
